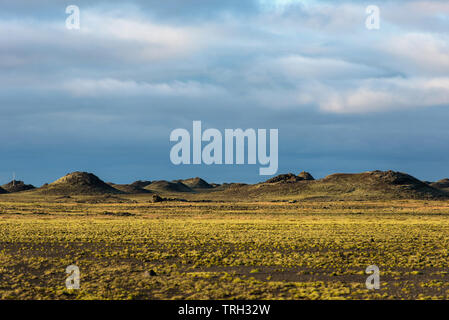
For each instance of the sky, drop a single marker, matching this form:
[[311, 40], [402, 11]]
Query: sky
[[105, 98]]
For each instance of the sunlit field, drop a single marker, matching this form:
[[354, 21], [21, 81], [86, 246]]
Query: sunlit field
[[224, 250]]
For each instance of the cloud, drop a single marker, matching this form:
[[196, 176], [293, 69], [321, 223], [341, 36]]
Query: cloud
[[151, 40], [418, 15], [114, 87], [386, 94], [298, 67], [101, 40], [420, 52]]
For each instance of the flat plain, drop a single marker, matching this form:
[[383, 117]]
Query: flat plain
[[128, 248]]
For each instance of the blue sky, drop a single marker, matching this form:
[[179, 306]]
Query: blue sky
[[105, 98]]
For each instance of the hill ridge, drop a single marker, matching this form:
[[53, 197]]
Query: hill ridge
[[369, 185]]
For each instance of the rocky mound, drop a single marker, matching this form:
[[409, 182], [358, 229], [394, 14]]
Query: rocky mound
[[440, 184], [306, 176], [17, 186], [375, 185], [196, 183], [288, 177], [225, 186], [81, 183], [2, 191], [383, 184], [167, 186]]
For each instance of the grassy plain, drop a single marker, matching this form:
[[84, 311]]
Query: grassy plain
[[134, 249]]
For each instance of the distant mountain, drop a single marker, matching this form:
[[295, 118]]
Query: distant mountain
[[374, 185], [82, 183], [196, 183], [167, 186], [382, 184]]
